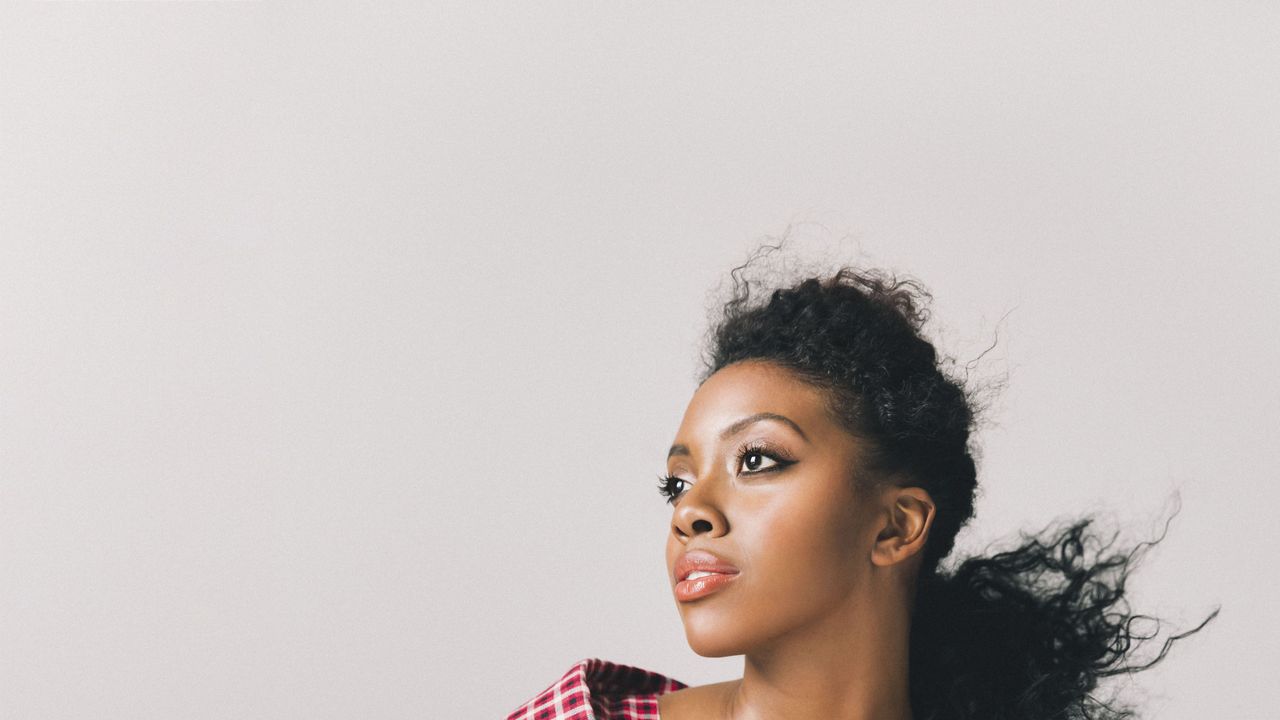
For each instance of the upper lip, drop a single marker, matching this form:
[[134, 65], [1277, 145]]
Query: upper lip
[[704, 561]]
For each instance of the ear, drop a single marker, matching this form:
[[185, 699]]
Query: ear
[[907, 516]]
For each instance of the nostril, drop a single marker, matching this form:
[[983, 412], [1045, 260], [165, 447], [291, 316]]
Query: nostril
[[701, 525]]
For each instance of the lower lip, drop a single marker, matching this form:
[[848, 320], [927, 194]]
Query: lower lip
[[687, 590]]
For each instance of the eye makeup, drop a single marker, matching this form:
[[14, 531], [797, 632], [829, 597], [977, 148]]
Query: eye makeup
[[667, 484]]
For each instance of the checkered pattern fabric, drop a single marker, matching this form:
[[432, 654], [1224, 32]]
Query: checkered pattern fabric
[[595, 689]]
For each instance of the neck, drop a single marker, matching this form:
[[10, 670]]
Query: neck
[[844, 668]]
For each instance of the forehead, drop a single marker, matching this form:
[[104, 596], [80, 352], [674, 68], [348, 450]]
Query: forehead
[[750, 387]]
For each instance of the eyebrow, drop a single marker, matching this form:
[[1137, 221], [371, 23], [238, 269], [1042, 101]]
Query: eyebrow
[[739, 426]]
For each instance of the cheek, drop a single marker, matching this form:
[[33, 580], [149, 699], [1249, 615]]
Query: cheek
[[804, 549], [800, 559]]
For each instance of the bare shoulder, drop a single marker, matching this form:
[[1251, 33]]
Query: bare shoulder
[[696, 703]]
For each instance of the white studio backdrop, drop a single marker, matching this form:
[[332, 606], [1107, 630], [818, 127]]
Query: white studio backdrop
[[340, 346]]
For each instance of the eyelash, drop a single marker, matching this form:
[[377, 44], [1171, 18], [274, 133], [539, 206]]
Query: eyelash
[[666, 483]]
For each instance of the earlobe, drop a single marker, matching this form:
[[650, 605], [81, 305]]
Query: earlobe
[[907, 518]]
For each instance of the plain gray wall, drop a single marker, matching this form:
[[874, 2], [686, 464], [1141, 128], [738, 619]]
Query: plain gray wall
[[342, 345]]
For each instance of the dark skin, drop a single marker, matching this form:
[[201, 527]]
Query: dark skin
[[821, 606]]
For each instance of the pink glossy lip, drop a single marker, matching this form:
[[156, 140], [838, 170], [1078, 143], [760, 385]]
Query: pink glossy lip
[[701, 560]]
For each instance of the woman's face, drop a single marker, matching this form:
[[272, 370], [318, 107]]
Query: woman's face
[[763, 476]]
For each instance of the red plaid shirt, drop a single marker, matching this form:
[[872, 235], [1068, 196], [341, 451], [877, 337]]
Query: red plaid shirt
[[596, 689]]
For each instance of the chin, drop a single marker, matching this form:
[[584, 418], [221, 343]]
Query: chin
[[716, 637]]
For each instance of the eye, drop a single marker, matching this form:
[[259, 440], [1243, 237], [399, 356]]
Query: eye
[[667, 485], [753, 458]]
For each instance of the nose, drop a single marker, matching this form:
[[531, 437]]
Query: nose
[[698, 513]]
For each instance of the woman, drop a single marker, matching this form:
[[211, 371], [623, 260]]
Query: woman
[[820, 473]]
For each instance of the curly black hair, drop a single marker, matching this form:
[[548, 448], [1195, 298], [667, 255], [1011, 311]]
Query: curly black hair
[[1024, 633]]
